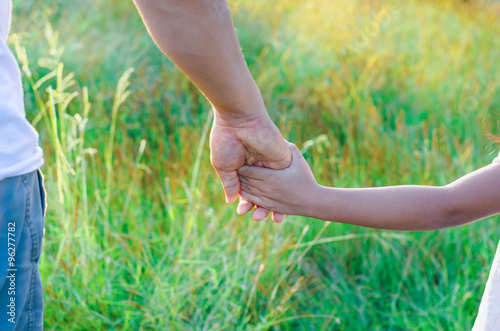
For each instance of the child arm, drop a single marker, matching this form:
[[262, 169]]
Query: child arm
[[294, 191]]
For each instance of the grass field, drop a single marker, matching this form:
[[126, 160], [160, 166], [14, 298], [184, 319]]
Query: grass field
[[138, 236]]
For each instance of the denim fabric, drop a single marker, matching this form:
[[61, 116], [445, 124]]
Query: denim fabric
[[22, 209]]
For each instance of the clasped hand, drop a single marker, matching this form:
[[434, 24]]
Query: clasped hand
[[290, 191], [244, 154], [246, 141]]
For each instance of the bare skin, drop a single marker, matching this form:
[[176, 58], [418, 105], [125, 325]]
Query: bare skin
[[199, 37], [294, 191]]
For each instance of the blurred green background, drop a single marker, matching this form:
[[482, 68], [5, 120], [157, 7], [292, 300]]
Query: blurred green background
[[138, 236]]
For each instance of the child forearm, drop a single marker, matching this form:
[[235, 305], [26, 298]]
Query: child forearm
[[394, 208], [468, 199]]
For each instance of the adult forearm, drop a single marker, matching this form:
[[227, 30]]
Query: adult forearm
[[395, 208], [199, 37]]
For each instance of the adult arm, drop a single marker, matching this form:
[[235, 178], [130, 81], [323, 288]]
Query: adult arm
[[199, 37]]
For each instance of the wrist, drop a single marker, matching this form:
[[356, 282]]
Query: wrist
[[247, 110], [313, 201]]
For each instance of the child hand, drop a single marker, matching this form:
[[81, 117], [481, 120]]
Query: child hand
[[289, 191]]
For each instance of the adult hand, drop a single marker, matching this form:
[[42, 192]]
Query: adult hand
[[252, 141]]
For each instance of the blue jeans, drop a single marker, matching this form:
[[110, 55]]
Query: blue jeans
[[22, 211]]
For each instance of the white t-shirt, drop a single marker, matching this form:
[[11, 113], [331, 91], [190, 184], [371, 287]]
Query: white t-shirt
[[488, 317], [19, 150]]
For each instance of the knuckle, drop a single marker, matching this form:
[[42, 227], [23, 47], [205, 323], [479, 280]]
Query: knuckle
[[244, 171], [229, 185], [249, 189], [263, 204]]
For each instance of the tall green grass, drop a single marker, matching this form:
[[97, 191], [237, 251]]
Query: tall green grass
[[138, 236]]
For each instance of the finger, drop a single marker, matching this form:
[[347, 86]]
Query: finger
[[276, 154], [246, 182], [251, 198], [251, 189], [257, 173], [294, 150], [244, 179], [231, 184], [259, 214], [244, 206], [278, 217]]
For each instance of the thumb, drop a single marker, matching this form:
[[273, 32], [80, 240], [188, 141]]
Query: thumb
[[231, 184], [294, 150]]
